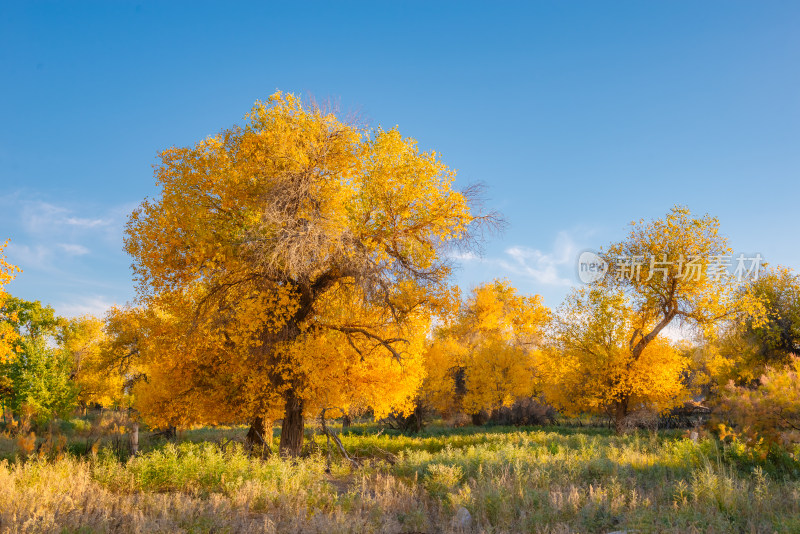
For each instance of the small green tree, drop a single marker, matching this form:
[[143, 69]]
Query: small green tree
[[41, 381], [776, 338], [38, 378]]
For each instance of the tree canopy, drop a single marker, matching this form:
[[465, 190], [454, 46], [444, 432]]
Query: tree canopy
[[301, 253], [592, 368], [7, 333], [486, 356], [668, 271]]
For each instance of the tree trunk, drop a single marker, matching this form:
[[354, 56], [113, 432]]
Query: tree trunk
[[292, 426], [480, 418], [260, 435], [255, 435], [418, 421], [267, 432], [620, 413], [346, 422], [134, 438]]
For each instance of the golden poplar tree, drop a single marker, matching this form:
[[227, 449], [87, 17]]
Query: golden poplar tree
[[492, 345], [610, 353], [592, 369], [84, 340], [294, 241]]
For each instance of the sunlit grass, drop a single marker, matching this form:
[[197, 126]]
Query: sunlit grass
[[509, 479]]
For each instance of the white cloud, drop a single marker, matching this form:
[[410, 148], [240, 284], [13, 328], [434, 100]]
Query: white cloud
[[551, 268], [27, 257], [43, 256], [48, 232], [73, 249], [96, 305], [48, 219], [544, 267], [464, 256], [41, 217], [87, 223]]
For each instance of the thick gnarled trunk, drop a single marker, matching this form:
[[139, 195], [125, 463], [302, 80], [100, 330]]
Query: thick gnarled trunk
[[292, 426], [620, 414], [260, 436]]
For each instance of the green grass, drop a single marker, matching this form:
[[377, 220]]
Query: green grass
[[554, 479]]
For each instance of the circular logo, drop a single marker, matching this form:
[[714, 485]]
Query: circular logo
[[591, 267]]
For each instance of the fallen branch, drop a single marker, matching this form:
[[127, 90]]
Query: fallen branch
[[223, 444], [332, 436]]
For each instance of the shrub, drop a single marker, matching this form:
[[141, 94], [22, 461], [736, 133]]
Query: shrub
[[765, 415], [524, 412]]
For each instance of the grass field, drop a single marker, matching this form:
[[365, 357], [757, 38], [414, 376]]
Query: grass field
[[551, 479]]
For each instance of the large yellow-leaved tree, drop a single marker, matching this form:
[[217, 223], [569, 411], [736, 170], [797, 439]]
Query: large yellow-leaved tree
[[591, 367], [301, 258]]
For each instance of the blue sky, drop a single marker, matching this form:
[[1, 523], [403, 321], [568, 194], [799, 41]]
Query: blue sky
[[578, 116]]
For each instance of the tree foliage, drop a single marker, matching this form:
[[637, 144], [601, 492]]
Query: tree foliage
[[775, 336], [37, 379], [83, 340], [662, 274], [294, 249], [8, 334], [486, 357], [768, 414], [590, 364], [675, 281], [41, 383], [745, 345]]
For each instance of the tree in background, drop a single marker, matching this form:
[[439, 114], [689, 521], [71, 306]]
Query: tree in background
[[32, 320], [138, 348], [744, 346], [487, 357], [82, 340], [665, 272], [41, 381], [591, 367], [7, 333], [751, 366], [37, 379], [773, 338], [294, 229], [443, 388]]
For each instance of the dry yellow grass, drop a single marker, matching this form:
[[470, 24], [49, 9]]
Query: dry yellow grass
[[508, 480]]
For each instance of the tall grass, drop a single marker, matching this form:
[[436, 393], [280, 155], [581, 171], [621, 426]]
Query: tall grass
[[510, 480]]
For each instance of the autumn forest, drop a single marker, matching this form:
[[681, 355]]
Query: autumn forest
[[298, 358]]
